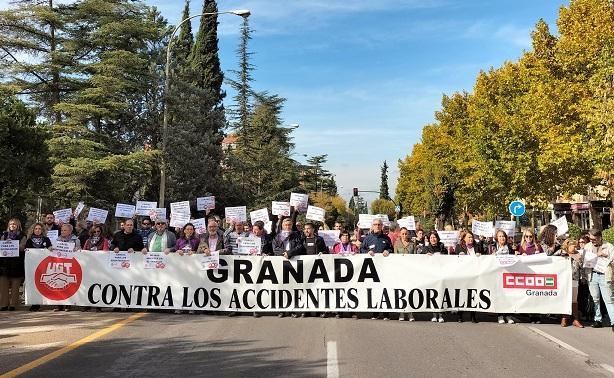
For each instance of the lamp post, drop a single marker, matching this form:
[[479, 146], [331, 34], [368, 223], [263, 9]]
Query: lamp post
[[238, 12]]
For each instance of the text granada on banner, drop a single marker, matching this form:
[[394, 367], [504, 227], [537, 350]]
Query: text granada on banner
[[357, 283]]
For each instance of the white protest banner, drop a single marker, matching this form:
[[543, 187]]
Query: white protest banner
[[200, 226], [561, 226], [358, 284], [63, 215], [536, 258], [300, 201], [182, 207], [315, 213], [249, 246], [124, 210], [119, 260], [449, 238], [205, 203], [179, 219], [280, 208], [237, 214], [154, 260], [259, 215], [210, 262], [331, 237], [144, 207], [590, 259], [509, 227], [365, 220], [78, 209], [507, 260], [97, 215], [157, 213], [9, 248], [407, 222], [53, 235], [482, 228], [64, 250]]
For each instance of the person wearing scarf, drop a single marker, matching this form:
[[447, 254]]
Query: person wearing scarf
[[161, 240], [187, 242], [528, 245], [12, 269], [344, 246], [96, 240]]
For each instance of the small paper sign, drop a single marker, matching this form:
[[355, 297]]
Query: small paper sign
[[205, 203], [315, 213], [590, 259], [449, 238], [182, 207], [259, 215], [407, 222], [119, 260], [64, 250], [366, 220], [97, 215], [249, 246], [300, 201], [179, 220], [158, 213], [123, 210], [280, 208], [331, 237], [154, 260], [507, 260], [144, 207], [78, 209], [53, 235], [237, 214], [561, 226], [200, 225], [9, 248], [210, 262], [509, 227], [62, 216], [482, 228]]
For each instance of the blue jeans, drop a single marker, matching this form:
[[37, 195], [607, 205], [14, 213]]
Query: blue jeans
[[599, 287]]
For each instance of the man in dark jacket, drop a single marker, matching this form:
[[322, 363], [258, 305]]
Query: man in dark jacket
[[312, 243], [376, 241], [287, 242], [127, 239]]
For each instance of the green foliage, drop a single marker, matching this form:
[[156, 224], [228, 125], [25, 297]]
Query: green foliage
[[608, 235], [383, 187], [383, 206], [574, 231]]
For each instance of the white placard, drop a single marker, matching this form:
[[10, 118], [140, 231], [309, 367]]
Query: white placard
[[97, 215], [507, 260], [157, 213], [315, 213], [9, 248], [366, 220], [63, 215], [53, 235], [407, 222], [482, 228], [64, 250], [119, 260], [154, 260], [509, 227], [179, 220], [236, 213], [205, 203], [248, 246], [268, 226], [79, 209], [182, 207], [449, 238], [300, 201], [259, 215], [331, 237], [200, 225], [590, 259], [280, 208], [144, 207], [210, 262], [561, 226], [124, 210]]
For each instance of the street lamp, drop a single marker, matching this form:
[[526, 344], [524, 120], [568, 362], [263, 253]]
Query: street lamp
[[237, 12]]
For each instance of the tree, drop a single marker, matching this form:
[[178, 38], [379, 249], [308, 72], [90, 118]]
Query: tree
[[24, 165], [242, 84], [317, 179], [383, 187], [358, 205], [383, 206]]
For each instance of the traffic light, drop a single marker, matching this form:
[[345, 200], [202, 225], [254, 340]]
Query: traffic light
[[355, 192]]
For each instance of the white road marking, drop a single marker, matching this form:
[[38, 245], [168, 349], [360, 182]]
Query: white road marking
[[332, 365], [37, 346], [557, 341], [608, 368], [51, 327]]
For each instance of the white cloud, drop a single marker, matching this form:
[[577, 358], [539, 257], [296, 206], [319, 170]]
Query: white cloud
[[515, 35]]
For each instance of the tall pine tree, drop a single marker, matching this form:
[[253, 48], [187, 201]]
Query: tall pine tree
[[383, 187]]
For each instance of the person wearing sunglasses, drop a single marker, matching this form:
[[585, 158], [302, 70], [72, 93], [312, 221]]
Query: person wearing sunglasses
[[146, 229], [528, 246], [162, 240], [97, 240]]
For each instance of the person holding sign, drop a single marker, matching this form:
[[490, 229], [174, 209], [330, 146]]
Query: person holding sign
[[288, 241], [67, 236], [213, 240], [127, 239], [550, 243], [234, 235], [162, 240], [600, 277], [12, 270], [97, 240], [265, 239], [187, 242]]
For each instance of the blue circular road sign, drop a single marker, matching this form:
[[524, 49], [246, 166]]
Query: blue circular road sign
[[517, 208]]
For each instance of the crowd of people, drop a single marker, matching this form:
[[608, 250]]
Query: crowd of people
[[289, 238]]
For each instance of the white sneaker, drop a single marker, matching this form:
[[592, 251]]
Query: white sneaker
[[434, 319], [411, 318], [501, 320], [401, 317], [509, 320], [441, 319]]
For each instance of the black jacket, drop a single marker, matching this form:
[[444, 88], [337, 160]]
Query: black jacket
[[439, 248], [477, 248], [279, 244], [125, 241]]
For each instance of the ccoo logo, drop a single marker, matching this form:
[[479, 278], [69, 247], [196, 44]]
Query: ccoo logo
[[57, 278], [529, 281]]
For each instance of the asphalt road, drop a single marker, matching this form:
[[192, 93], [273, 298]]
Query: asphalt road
[[59, 344]]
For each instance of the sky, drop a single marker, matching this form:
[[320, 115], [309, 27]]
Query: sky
[[362, 77]]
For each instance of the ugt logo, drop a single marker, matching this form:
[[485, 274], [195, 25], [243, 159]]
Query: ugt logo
[[57, 278], [529, 281]]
